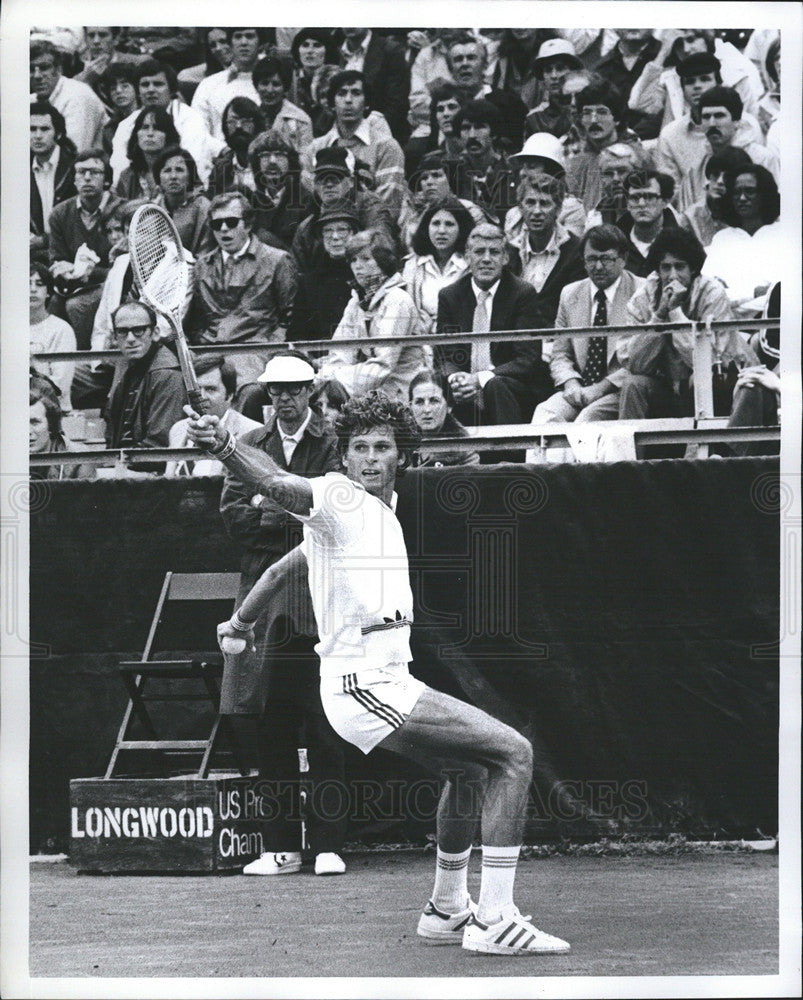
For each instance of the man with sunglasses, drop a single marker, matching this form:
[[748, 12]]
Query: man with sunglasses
[[295, 438], [147, 392], [244, 290]]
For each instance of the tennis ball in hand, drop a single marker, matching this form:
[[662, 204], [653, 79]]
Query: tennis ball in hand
[[231, 645]]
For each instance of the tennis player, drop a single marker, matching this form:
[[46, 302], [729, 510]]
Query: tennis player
[[360, 589]]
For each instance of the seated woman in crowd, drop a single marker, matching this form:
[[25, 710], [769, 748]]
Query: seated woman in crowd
[[271, 77], [661, 368], [437, 260], [48, 333], [329, 399], [186, 204], [117, 88], [218, 57], [47, 435], [153, 132], [706, 217], [311, 49], [429, 395], [431, 182], [379, 307], [744, 255]]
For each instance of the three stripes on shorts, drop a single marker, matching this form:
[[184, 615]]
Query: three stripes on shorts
[[369, 701]]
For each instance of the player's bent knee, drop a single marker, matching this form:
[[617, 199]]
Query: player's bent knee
[[518, 753]]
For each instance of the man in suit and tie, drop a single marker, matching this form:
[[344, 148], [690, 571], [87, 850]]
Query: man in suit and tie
[[491, 382], [296, 439], [588, 370]]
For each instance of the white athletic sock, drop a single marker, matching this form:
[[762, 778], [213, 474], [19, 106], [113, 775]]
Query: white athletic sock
[[451, 881], [496, 888]]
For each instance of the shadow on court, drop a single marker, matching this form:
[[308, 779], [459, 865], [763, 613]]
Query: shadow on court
[[708, 913]]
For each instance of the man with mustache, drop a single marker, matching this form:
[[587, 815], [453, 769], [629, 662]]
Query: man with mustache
[[600, 108], [720, 115], [682, 144], [482, 174], [242, 120]]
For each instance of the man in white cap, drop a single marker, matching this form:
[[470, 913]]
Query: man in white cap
[[555, 60], [543, 154], [295, 438]]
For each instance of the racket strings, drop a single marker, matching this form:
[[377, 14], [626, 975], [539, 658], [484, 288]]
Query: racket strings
[[158, 261]]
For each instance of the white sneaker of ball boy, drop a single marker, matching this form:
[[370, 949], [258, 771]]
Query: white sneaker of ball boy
[[356, 560]]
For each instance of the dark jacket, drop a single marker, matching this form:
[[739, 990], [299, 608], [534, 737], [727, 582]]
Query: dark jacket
[[637, 264], [63, 188], [68, 232], [493, 189], [387, 83], [157, 405], [613, 69], [515, 307], [370, 209], [569, 267], [266, 533], [276, 224], [321, 298]]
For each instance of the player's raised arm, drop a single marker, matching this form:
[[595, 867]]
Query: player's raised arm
[[250, 465]]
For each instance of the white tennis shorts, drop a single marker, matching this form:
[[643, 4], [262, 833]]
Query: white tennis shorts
[[367, 705]]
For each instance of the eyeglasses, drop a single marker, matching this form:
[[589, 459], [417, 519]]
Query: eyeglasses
[[596, 113], [292, 389], [745, 192], [89, 171], [645, 196], [138, 331], [603, 260], [229, 221]]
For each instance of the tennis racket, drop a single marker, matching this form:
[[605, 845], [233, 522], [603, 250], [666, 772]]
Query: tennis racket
[[161, 272]]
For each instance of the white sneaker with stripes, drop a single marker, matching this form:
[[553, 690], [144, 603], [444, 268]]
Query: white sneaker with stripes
[[512, 934], [437, 927]]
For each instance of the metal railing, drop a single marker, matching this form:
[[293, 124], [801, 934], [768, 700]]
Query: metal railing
[[702, 429]]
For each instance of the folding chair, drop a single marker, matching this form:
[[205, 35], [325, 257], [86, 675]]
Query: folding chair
[[135, 674]]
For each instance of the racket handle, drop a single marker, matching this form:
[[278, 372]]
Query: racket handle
[[232, 646], [196, 401]]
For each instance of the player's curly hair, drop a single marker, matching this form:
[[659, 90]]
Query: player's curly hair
[[377, 409]]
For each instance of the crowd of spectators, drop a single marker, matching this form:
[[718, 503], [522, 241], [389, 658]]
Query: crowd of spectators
[[353, 183]]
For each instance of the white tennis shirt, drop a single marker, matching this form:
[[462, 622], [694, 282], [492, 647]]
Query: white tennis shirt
[[358, 576]]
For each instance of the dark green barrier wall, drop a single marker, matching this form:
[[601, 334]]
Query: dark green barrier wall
[[622, 616]]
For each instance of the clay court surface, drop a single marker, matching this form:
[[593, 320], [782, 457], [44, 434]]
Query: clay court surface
[[707, 913]]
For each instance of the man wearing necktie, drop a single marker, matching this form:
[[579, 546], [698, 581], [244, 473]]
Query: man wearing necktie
[[286, 688], [493, 381], [588, 371]]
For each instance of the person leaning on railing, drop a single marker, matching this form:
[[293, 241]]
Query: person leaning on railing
[[661, 367]]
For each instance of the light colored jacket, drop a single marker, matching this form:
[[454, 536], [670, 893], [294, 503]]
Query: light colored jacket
[[424, 279], [391, 313], [569, 354], [673, 353]]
